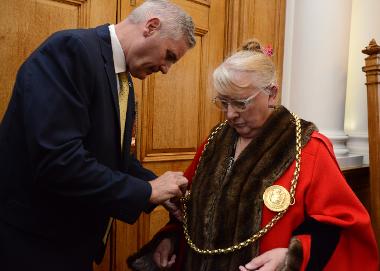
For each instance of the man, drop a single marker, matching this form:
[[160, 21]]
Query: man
[[65, 166]]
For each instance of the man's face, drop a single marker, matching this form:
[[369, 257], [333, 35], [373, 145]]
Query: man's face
[[153, 53]]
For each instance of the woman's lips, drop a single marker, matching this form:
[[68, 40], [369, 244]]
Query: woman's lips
[[239, 125]]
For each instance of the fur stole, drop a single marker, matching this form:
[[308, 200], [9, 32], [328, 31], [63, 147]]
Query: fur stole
[[226, 205]]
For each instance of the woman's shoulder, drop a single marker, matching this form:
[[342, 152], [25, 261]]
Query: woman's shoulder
[[319, 144]]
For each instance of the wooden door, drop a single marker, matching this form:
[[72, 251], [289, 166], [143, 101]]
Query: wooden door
[[174, 111], [260, 19], [24, 24], [174, 115]]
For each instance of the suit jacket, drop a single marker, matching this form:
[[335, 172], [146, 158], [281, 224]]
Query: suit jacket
[[62, 171]]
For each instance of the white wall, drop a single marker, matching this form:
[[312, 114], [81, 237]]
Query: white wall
[[365, 25], [322, 77], [316, 53]]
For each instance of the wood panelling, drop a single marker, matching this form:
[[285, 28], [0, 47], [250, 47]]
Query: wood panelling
[[260, 19], [175, 113], [102, 11], [358, 179], [24, 24], [204, 2], [175, 98], [178, 98]]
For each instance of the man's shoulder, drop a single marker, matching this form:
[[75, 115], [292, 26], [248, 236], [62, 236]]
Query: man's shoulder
[[72, 34], [77, 39], [80, 34]]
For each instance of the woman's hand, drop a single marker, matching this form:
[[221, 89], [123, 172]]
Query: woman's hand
[[272, 260], [162, 256], [172, 206]]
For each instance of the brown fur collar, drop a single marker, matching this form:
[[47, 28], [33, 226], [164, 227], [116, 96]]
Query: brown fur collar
[[229, 206]]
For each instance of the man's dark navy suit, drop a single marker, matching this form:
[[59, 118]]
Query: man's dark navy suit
[[62, 171]]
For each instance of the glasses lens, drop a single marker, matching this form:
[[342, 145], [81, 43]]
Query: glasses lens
[[221, 104], [239, 106]]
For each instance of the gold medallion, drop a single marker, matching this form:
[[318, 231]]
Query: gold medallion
[[276, 198]]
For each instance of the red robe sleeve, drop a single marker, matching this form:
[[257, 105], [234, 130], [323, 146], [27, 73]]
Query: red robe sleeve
[[330, 200], [323, 194]]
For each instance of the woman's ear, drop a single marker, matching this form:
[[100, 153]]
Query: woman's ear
[[272, 96]]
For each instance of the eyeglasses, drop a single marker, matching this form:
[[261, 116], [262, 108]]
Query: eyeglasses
[[237, 105]]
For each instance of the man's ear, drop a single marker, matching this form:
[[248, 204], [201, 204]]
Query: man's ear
[[152, 25]]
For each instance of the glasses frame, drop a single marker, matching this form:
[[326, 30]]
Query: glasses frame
[[237, 108]]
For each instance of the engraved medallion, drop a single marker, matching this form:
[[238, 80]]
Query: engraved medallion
[[276, 198]]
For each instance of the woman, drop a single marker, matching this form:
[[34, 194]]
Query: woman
[[256, 200]]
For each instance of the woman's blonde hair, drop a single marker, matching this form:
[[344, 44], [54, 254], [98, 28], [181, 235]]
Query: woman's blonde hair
[[248, 68]]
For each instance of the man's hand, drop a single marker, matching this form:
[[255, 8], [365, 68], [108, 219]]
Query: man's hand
[[162, 255], [272, 260], [167, 186]]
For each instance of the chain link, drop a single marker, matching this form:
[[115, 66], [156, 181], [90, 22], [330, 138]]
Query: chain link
[[270, 224]]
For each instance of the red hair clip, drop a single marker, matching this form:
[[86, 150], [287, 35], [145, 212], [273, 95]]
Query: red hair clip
[[268, 50]]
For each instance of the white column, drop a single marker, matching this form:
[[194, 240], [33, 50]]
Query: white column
[[315, 66], [365, 22]]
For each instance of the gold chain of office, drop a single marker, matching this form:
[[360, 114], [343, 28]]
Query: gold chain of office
[[270, 224]]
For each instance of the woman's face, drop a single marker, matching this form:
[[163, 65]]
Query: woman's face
[[248, 123]]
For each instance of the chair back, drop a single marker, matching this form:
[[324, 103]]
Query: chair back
[[372, 70]]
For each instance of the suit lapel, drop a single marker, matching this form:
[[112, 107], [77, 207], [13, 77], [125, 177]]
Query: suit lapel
[[106, 49]]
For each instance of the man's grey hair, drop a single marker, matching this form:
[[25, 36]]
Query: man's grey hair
[[175, 22]]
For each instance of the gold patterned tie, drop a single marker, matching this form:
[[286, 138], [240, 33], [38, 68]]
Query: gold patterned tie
[[123, 106], [123, 102]]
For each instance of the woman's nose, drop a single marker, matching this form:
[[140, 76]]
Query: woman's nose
[[231, 112]]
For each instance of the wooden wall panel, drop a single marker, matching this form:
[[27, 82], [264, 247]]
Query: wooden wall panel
[[102, 11], [260, 19], [177, 100], [24, 24], [174, 98], [174, 103], [174, 112]]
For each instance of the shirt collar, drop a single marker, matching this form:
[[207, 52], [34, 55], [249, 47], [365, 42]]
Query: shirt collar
[[117, 51]]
